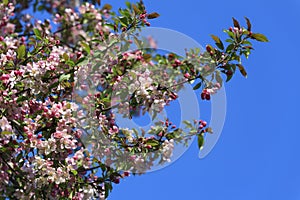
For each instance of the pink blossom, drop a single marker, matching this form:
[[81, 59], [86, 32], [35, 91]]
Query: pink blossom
[[5, 125]]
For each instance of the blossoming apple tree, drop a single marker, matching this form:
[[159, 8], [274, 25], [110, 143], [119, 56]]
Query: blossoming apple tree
[[63, 80]]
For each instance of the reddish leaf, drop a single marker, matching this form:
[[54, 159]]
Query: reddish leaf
[[236, 23], [242, 70], [153, 15], [248, 24]]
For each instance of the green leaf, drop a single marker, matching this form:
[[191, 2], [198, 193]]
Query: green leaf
[[137, 42], [229, 40], [219, 78], [154, 115], [80, 60], [54, 85], [200, 141], [74, 172], [71, 194], [132, 74], [41, 7], [147, 57], [229, 48], [188, 124], [37, 33], [119, 72], [5, 133], [219, 43], [19, 157], [246, 32], [247, 42], [21, 99], [259, 37], [128, 4], [65, 56], [70, 63], [197, 86], [236, 23], [230, 34], [108, 188], [193, 132], [123, 21], [248, 24], [153, 15], [235, 57], [242, 70], [233, 67], [136, 9], [127, 14], [21, 51], [64, 77], [5, 2], [106, 100], [170, 136], [86, 47], [153, 142]]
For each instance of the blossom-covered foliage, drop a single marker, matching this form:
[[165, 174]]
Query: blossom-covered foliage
[[63, 81]]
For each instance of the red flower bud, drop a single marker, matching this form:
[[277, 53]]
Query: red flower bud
[[116, 181], [203, 95], [229, 73], [186, 75], [207, 97], [160, 134], [208, 49]]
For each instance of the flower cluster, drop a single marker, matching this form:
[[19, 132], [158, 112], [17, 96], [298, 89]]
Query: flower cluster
[[63, 89], [6, 26], [207, 92]]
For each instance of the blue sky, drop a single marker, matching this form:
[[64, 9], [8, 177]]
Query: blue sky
[[257, 156]]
